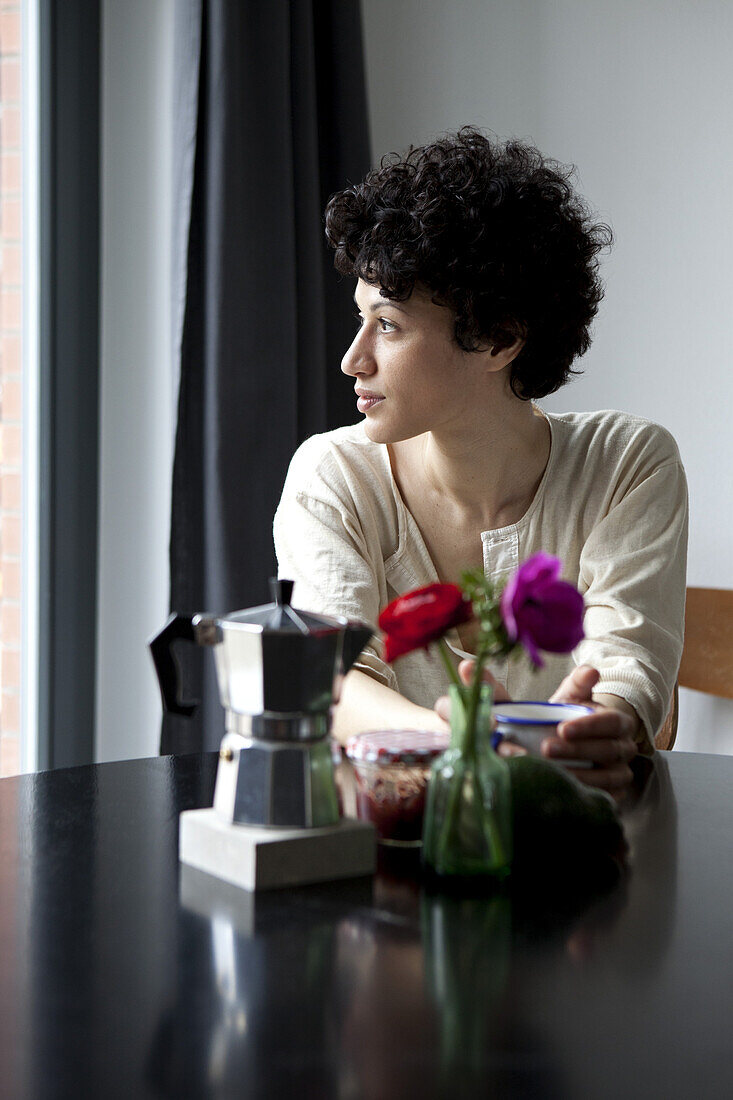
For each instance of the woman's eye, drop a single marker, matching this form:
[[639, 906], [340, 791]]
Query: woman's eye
[[385, 325]]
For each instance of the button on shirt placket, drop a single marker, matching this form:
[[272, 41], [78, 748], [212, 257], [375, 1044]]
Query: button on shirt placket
[[501, 560]]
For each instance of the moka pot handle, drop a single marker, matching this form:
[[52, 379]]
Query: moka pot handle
[[167, 666]]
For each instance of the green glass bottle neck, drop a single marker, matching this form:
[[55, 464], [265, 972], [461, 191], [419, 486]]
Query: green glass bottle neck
[[462, 737]]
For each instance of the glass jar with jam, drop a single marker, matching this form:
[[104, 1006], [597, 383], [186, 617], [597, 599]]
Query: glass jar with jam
[[391, 770]]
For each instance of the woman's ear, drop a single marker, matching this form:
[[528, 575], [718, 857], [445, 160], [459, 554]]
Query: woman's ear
[[510, 352], [498, 358]]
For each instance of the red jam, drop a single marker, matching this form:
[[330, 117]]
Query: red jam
[[395, 808], [392, 768]]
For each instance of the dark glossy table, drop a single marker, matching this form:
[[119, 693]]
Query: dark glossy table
[[125, 975]]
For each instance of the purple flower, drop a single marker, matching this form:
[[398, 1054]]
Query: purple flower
[[540, 611]]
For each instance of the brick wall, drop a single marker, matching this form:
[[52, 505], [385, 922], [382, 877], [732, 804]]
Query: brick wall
[[10, 385]]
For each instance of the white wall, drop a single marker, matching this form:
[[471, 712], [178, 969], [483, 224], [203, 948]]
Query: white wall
[[136, 400], [640, 97]]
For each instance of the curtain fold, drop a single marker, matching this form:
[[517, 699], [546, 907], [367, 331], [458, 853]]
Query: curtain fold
[[277, 90]]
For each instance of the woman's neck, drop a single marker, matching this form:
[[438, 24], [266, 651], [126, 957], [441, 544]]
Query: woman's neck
[[489, 469]]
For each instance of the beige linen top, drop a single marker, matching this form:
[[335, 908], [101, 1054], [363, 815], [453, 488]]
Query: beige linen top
[[612, 505]]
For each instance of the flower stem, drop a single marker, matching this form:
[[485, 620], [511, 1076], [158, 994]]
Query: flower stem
[[497, 843], [450, 668], [473, 700], [455, 789]]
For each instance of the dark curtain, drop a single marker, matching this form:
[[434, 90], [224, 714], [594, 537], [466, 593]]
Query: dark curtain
[[270, 119]]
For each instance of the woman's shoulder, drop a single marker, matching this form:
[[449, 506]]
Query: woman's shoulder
[[342, 460], [612, 437]]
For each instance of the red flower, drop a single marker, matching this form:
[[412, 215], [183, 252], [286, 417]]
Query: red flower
[[422, 616], [540, 610]]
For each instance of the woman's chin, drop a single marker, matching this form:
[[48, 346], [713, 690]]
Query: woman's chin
[[382, 433], [377, 433]]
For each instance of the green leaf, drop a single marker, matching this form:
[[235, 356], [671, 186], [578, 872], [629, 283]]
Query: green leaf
[[485, 597]]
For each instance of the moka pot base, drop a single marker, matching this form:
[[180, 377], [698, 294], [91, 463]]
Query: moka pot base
[[275, 783], [264, 858]]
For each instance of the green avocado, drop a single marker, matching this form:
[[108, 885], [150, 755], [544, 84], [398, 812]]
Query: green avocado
[[563, 829]]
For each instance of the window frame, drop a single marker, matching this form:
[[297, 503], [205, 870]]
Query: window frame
[[67, 400]]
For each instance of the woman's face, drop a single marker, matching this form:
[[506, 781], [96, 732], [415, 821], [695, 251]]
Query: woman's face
[[411, 375]]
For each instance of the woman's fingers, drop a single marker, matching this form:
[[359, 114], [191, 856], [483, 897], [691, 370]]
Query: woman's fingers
[[465, 671], [442, 707], [604, 722], [508, 748], [577, 686], [607, 751]]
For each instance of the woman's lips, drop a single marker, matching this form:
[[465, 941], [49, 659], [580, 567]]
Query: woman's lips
[[367, 401]]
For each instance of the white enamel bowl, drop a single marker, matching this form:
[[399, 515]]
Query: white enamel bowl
[[529, 723]]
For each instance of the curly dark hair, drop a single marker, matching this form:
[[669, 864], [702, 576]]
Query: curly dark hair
[[495, 231]]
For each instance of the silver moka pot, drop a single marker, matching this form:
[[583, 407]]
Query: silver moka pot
[[279, 672]]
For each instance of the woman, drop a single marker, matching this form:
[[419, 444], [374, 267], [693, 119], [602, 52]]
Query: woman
[[477, 282]]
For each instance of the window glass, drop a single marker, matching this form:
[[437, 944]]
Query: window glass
[[11, 428]]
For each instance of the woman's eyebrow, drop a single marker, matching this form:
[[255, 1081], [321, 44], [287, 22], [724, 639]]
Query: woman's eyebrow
[[381, 303]]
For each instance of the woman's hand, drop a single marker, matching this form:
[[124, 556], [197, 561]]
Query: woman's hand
[[465, 671], [604, 738]]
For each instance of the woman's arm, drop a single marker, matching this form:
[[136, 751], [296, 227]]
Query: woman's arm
[[633, 563], [366, 704]]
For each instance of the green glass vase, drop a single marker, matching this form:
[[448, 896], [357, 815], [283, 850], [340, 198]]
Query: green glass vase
[[467, 829]]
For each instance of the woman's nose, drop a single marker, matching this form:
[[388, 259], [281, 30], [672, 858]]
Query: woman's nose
[[358, 358]]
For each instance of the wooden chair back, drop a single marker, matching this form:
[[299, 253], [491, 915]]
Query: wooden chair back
[[707, 655]]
